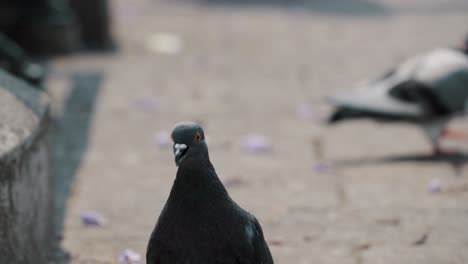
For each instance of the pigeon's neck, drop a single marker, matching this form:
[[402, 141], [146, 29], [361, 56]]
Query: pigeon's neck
[[197, 180]]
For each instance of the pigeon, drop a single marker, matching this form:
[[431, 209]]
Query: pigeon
[[427, 90], [200, 223]]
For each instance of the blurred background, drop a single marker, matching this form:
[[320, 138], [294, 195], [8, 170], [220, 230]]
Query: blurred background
[[255, 74]]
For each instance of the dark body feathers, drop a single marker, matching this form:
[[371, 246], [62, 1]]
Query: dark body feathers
[[201, 224]]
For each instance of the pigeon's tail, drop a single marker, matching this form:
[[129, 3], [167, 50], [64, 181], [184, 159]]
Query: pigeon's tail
[[375, 103], [345, 113]]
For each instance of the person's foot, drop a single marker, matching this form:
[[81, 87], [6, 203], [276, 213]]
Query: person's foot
[[47, 27]]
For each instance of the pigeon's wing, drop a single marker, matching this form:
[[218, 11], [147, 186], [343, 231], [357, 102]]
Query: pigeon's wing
[[375, 101], [159, 253], [262, 253], [445, 73], [437, 81], [151, 251]]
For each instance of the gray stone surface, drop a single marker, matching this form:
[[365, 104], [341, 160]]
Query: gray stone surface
[[26, 211], [246, 69]]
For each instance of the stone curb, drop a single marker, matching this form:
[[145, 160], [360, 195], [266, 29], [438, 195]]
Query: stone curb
[[26, 179]]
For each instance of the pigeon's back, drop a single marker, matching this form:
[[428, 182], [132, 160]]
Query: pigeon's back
[[444, 72]]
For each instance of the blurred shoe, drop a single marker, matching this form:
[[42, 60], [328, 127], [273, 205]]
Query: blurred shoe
[[47, 27], [95, 23]]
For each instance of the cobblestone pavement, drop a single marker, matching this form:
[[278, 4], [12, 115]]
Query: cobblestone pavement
[[245, 69]]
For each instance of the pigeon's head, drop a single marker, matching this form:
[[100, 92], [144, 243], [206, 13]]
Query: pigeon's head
[[189, 141]]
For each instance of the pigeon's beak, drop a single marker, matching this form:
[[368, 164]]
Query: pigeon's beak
[[179, 152]]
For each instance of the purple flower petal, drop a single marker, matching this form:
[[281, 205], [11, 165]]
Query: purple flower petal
[[321, 167], [92, 219], [255, 143], [146, 104], [307, 112], [128, 256], [163, 139], [435, 186]]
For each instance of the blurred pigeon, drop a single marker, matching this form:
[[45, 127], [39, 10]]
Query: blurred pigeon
[[200, 223], [426, 90]]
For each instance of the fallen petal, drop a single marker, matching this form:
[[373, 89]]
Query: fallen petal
[[435, 186], [255, 143], [128, 256], [146, 104], [92, 218], [321, 167], [306, 112], [163, 139]]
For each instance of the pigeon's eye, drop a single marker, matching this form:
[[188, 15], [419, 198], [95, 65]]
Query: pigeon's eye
[[197, 138]]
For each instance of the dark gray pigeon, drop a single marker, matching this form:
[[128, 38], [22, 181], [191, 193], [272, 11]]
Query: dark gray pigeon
[[426, 90], [200, 223]]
